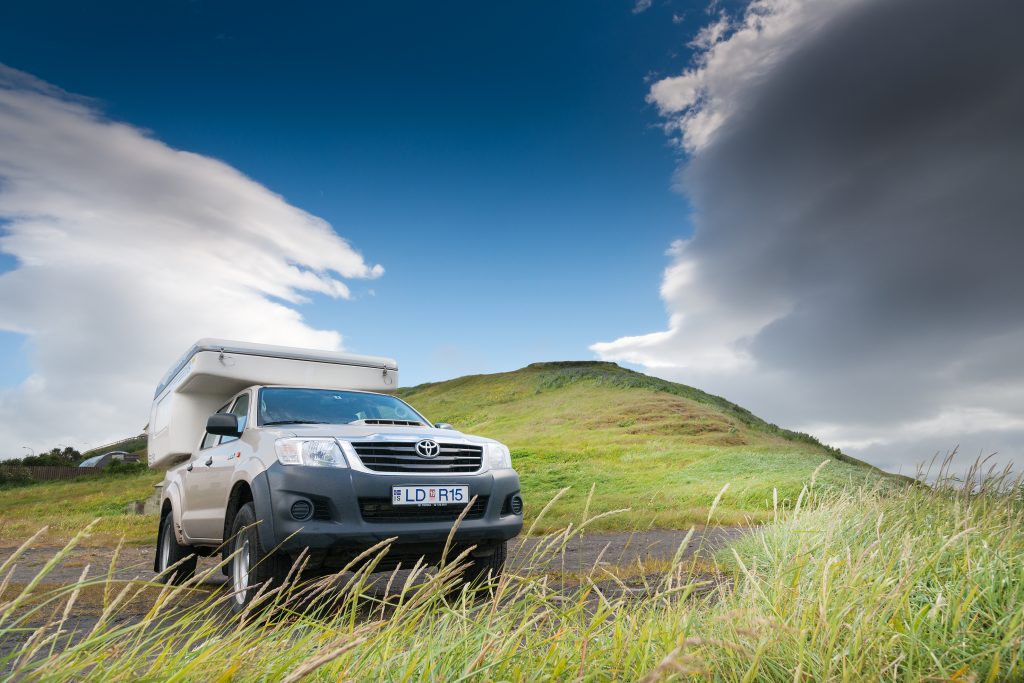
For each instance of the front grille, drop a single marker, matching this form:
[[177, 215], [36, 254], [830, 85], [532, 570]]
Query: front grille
[[401, 456], [381, 510]]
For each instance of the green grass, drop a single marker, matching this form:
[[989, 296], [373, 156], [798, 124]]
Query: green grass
[[874, 583], [67, 506], [664, 450]]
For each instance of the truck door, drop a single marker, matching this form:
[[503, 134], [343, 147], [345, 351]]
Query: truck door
[[207, 484]]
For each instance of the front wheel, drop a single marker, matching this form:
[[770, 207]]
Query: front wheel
[[251, 564], [169, 553], [486, 570]]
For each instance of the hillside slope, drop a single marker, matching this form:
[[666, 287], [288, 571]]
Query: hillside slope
[[131, 444], [664, 450]]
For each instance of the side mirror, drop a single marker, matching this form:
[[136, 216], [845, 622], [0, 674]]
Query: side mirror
[[443, 425], [225, 424]]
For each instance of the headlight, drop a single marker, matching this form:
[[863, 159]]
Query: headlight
[[314, 452], [497, 457]]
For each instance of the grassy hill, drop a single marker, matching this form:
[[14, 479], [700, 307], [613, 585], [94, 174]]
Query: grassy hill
[[664, 450], [132, 444]]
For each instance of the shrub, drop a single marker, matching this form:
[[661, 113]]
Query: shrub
[[117, 467], [14, 475]]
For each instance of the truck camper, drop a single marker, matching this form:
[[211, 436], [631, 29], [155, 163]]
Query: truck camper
[[272, 451]]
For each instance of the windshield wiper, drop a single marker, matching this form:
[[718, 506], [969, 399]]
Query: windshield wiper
[[293, 422]]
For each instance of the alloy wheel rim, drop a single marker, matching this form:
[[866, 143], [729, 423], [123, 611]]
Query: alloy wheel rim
[[240, 570]]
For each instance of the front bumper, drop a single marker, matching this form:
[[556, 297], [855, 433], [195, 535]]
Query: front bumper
[[339, 527]]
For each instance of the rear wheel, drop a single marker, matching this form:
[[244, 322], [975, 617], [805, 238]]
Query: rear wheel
[[169, 552], [251, 565]]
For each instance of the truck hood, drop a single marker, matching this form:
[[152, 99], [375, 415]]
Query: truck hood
[[347, 432]]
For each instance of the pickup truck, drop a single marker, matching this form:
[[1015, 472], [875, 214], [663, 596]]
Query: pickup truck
[[278, 469]]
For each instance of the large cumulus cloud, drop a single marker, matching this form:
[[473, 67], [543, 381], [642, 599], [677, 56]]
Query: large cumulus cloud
[[855, 173], [127, 251]]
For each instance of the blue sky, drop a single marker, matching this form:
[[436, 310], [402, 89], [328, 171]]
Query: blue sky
[[499, 160], [841, 256]]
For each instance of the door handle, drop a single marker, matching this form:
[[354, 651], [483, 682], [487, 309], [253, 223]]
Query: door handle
[[209, 461], [189, 468]]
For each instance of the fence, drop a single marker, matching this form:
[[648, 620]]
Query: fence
[[46, 472]]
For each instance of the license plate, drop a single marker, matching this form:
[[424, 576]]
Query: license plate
[[429, 495]]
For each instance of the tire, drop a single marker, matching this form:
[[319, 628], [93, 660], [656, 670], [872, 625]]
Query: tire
[[169, 552], [251, 564], [486, 569]]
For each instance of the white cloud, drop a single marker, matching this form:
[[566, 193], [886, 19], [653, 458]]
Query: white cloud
[[951, 423], [708, 36], [700, 338], [642, 6], [128, 251], [704, 96], [853, 168]]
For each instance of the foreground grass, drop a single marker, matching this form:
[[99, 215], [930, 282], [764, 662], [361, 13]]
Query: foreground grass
[[866, 584], [925, 585]]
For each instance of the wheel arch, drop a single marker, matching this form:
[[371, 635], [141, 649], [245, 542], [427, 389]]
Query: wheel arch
[[254, 489], [241, 493], [170, 504]]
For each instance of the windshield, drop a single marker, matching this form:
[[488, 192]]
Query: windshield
[[284, 405]]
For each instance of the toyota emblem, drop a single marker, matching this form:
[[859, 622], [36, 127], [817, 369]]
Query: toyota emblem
[[428, 448]]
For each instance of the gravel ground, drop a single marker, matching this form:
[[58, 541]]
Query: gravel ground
[[605, 549]]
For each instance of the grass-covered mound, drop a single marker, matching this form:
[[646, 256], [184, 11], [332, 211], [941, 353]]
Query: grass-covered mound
[[663, 449]]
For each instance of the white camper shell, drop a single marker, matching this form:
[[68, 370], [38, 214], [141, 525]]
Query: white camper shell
[[214, 370]]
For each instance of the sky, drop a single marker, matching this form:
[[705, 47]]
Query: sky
[[807, 206]]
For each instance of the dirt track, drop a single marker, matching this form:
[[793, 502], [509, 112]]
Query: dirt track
[[608, 549]]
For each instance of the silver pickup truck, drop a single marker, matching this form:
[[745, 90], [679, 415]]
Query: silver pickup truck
[[282, 469]]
